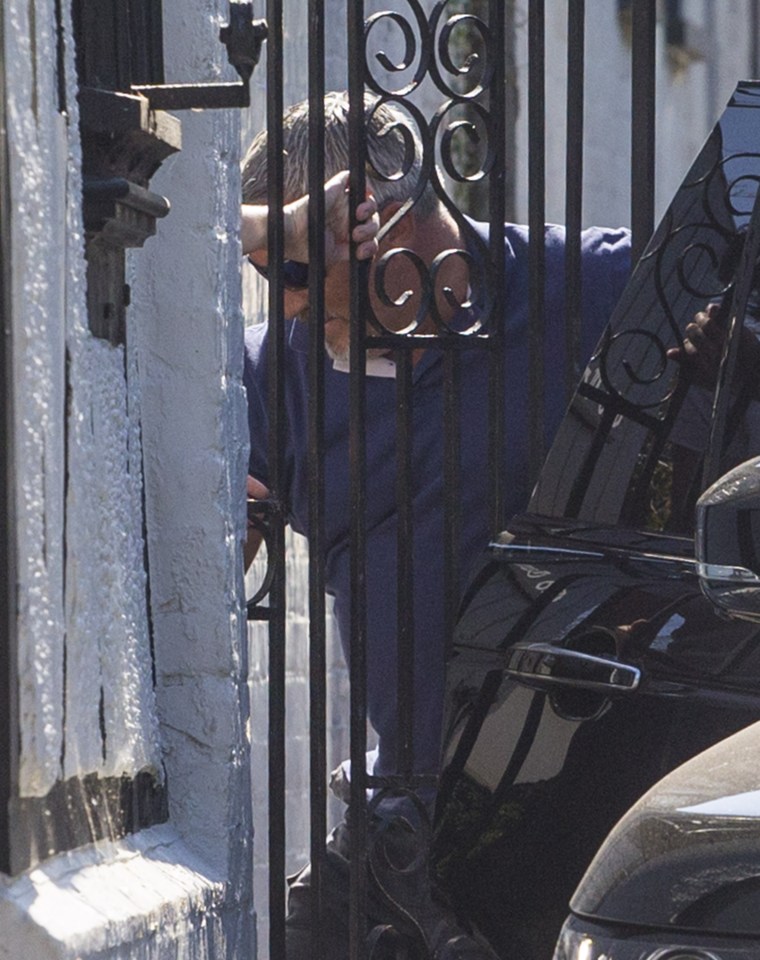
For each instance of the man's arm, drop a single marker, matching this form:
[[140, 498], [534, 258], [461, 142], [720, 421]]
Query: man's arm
[[253, 238], [254, 217]]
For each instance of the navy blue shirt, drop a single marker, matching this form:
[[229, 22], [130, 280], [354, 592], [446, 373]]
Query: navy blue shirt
[[605, 270]]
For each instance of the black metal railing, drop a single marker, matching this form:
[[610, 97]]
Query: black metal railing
[[487, 110], [427, 30]]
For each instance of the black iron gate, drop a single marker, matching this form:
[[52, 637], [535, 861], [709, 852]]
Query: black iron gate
[[462, 144]]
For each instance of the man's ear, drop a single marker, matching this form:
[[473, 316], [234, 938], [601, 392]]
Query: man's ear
[[402, 232]]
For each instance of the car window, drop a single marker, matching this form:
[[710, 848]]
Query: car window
[[631, 447]]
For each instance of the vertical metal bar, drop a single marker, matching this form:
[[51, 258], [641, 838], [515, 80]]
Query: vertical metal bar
[[122, 39], [8, 665], [574, 191], [275, 348], [146, 46], [451, 486], [643, 63], [536, 221], [357, 455], [60, 56], [675, 28], [317, 631], [405, 564], [754, 39], [510, 103], [497, 202]]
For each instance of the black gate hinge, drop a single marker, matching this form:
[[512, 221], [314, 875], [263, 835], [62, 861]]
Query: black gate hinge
[[243, 36]]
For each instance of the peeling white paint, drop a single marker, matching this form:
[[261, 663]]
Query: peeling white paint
[[97, 636], [37, 139], [181, 890], [147, 896], [107, 640]]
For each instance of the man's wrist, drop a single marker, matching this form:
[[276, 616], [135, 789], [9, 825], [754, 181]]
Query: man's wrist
[[296, 228], [253, 228]]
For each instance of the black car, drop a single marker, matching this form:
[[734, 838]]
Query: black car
[[588, 662], [679, 876]]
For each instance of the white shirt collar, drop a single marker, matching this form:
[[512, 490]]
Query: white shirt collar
[[374, 367]]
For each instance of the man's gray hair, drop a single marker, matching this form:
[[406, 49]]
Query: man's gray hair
[[389, 150]]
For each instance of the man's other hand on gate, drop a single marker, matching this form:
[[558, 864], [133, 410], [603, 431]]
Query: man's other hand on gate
[[255, 490], [702, 346], [702, 349]]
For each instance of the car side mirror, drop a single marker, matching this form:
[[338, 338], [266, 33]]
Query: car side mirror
[[728, 541]]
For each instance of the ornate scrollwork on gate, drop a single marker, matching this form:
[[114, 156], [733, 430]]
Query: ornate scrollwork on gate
[[691, 261], [458, 145], [640, 414]]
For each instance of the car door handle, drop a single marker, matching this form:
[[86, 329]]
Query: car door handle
[[545, 666]]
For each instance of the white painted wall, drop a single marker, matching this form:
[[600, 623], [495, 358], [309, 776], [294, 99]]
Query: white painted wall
[[102, 612], [690, 99], [188, 341], [180, 889], [38, 365]]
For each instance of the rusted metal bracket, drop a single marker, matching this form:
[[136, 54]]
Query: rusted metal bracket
[[118, 214], [243, 36]]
